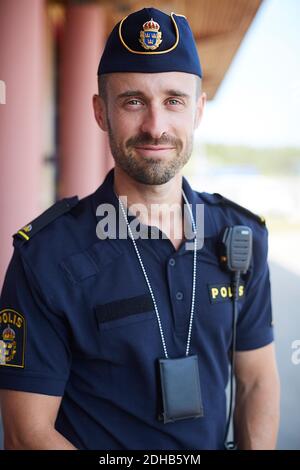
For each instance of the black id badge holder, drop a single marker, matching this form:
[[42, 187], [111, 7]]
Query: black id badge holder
[[180, 386]]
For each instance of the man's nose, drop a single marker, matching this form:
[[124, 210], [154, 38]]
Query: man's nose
[[153, 122]]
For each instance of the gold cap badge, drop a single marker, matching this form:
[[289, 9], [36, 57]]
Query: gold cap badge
[[150, 37]]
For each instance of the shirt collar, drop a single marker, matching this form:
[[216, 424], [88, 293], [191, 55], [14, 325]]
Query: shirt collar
[[105, 195], [205, 225]]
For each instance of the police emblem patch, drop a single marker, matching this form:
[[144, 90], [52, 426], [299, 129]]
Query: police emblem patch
[[150, 37], [12, 338]]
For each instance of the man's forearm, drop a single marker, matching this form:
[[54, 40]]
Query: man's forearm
[[256, 417], [41, 439]]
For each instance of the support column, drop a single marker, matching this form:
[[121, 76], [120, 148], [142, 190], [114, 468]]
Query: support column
[[21, 68], [83, 156]]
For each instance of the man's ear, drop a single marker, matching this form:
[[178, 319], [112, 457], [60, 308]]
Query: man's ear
[[201, 102], [100, 112]]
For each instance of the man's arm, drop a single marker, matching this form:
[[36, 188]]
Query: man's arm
[[29, 420], [256, 416]]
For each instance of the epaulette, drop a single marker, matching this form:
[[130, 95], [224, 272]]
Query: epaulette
[[223, 201], [55, 211]]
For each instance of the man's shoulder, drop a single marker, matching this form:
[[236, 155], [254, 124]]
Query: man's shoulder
[[58, 229], [26, 233], [225, 209], [222, 212], [55, 240]]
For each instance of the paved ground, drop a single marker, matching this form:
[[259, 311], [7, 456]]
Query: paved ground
[[286, 307]]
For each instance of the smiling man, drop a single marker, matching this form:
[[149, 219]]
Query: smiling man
[[159, 119], [124, 342]]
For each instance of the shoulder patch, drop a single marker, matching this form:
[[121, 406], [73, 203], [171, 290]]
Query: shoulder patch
[[55, 211], [218, 199], [12, 338]]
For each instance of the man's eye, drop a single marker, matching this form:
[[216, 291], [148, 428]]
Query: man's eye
[[173, 101], [134, 102]]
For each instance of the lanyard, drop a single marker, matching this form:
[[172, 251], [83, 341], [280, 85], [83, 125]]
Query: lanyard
[[149, 284]]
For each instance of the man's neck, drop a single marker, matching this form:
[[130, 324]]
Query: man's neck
[[139, 193], [159, 201]]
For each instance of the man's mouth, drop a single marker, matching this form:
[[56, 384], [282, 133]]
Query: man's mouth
[[153, 150]]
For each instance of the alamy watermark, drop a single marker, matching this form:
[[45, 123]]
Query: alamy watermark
[[2, 92], [295, 358], [113, 225]]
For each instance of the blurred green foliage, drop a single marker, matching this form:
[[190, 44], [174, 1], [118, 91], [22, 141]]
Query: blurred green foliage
[[268, 161]]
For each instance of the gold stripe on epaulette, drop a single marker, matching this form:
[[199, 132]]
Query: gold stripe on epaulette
[[23, 234]]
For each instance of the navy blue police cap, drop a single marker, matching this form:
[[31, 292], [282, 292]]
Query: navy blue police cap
[[150, 41]]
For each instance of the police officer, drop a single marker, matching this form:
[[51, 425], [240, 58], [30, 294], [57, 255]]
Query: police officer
[[122, 342]]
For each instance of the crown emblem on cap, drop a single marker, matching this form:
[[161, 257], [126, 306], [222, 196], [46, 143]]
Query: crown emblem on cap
[[150, 37]]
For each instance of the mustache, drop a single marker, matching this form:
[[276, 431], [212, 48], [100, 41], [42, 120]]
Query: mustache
[[147, 139]]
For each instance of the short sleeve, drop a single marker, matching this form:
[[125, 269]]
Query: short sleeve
[[254, 325], [34, 338]]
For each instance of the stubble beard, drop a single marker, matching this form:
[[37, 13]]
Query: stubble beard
[[150, 171]]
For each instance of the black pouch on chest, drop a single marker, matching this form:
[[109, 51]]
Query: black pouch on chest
[[180, 386]]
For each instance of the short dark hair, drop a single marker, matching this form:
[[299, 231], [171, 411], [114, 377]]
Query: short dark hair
[[102, 86]]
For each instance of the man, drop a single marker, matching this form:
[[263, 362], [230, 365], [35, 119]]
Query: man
[[113, 342]]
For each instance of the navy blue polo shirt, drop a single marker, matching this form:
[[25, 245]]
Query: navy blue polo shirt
[[79, 321]]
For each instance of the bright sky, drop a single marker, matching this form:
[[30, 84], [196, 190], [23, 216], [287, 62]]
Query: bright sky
[[258, 103]]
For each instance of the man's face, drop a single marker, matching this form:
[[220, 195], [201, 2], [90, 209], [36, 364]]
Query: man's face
[[150, 119]]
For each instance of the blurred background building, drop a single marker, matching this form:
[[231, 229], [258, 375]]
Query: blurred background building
[[247, 148]]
